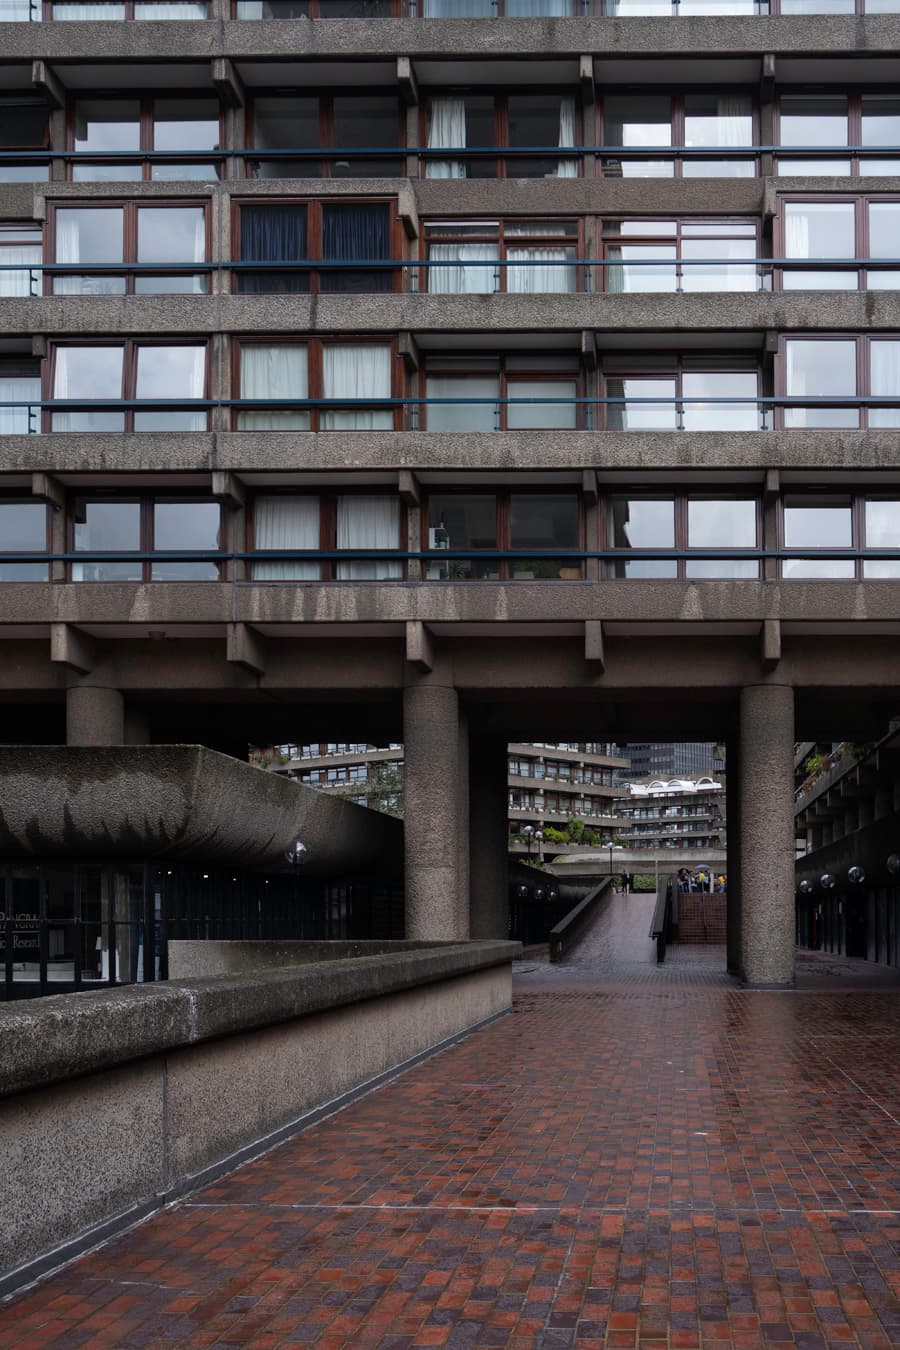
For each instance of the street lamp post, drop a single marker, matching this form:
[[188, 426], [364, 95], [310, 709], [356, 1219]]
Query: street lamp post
[[608, 843], [528, 831], [539, 836]]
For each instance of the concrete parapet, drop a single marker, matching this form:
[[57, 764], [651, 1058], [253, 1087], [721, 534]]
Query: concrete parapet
[[184, 1080]]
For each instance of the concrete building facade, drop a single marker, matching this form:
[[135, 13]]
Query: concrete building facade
[[449, 381], [675, 813]]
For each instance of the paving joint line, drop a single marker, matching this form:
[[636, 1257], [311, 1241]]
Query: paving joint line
[[678, 1207]]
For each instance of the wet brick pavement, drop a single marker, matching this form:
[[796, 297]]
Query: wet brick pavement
[[634, 1158]]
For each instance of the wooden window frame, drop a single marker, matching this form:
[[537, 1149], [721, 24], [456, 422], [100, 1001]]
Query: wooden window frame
[[677, 130], [502, 497], [18, 499], [855, 102], [676, 370], [315, 374], [680, 497], [130, 209], [131, 346], [861, 202], [324, 166], [505, 378], [494, 232], [314, 207], [146, 501], [146, 120], [328, 505], [502, 168], [676, 240]]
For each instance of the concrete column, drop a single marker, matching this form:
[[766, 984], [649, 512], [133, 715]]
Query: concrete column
[[94, 716], [767, 834], [488, 838], [733, 856], [433, 749]]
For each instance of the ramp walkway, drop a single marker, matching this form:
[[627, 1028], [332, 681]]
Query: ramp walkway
[[637, 1162]]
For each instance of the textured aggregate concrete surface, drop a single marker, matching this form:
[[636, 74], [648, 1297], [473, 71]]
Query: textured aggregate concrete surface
[[639, 1156]]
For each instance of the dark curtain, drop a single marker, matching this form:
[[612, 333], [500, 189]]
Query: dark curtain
[[273, 234], [351, 231]]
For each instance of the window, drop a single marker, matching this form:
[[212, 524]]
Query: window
[[472, 522], [823, 123], [833, 368], [20, 382], [703, 521], [315, 9], [465, 257], [540, 393], [19, 245], [154, 372], [24, 528], [659, 256], [104, 127], [357, 521], [509, 9], [128, 9], [462, 123], [151, 236], [820, 522], [314, 369], [24, 125], [334, 232], [144, 524], [811, 229], [639, 126], [341, 126], [681, 394]]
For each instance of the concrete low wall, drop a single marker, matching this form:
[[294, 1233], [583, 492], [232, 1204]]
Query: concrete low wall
[[115, 1102]]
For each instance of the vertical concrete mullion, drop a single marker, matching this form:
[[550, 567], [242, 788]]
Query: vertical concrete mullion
[[767, 834]]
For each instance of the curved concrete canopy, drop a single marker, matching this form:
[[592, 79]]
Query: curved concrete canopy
[[182, 802]]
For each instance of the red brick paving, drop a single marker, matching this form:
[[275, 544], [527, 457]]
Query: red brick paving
[[646, 1167]]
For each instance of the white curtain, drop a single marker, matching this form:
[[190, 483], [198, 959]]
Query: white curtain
[[17, 11], [796, 232], [566, 168], [187, 9], [286, 522], [250, 9], [538, 9], [66, 11], [459, 9], [446, 131], [368, 522], [68, 250], [455, 278], [276, 372], [538, 278], [20, 283], [14, 421], [195, 372], [358, 372], [734, 124], [885, 366]]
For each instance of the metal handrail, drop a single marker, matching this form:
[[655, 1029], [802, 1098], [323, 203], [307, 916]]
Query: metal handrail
[[444, 152], [443, 555], [392, 264]]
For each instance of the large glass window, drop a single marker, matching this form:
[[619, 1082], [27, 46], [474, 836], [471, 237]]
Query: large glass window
[[493, 393], [24, 125], [881, 521], [117, 127], [713, 522], [20, 396], [462, 123], [341, 233], [155, 236], [472, 522], [640, 126], [127, 9], [836, 368], [23, 529], [342, 127], [155, 372], [358, 521], [143, 524], [666, 256], [355, 372], [366, 522], [820, 123], [19, 246], [817, 522], [694, 394], [524, 257]]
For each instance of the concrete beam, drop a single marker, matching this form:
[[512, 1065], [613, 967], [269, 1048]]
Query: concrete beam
[[408, 350], [69, 646], [594, 646], [773, 484], [49, 489], [227, 82], [409, 85], [245, 647], [408, 488], [419, 646], [589, 488], [771, 643], [45, 78], [228, 489]]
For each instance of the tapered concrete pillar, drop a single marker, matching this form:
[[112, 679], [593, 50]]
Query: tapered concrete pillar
[[733, 854], [488, 838], [94, 716], [767, 834], [435, 811]]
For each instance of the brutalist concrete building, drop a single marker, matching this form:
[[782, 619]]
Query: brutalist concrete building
[[453, 374]]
